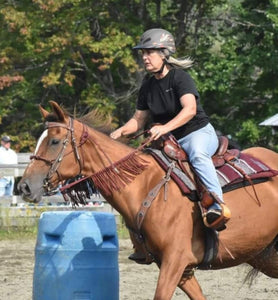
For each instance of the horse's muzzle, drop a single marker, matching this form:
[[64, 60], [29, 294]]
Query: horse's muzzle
[[26, 193]]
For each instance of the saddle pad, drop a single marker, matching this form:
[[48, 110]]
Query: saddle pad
[[229, 177], [253, 167]]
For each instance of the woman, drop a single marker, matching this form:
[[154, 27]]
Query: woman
[[171, 99]]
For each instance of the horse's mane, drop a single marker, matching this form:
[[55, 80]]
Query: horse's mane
[[94, 118], [98, 120]]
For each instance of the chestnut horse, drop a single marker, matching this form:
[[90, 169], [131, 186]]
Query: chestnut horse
[[173, 229]]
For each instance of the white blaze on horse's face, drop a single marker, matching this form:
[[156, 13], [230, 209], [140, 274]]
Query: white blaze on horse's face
[[42, 137]]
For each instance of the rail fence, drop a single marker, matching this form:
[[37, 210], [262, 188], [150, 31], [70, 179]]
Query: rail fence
[[16, 212]]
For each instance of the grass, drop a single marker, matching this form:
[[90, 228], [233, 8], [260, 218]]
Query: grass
[[122, 231], [15, 233]]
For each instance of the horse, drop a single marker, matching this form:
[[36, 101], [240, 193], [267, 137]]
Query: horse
[[173, 229]]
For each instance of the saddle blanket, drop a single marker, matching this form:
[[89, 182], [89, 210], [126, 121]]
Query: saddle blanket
[[229, 176]]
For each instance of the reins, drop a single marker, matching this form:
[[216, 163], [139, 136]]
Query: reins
[[105, 178], [99, 178]]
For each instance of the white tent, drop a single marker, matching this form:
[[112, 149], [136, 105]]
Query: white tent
[[272, 121]]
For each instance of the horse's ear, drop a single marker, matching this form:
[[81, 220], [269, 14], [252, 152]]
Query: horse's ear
[[44, 112], [58, 111]]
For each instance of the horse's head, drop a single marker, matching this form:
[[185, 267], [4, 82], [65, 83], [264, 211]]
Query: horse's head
[[43, 174]]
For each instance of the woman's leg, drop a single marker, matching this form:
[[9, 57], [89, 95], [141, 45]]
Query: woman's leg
[[200, 145]]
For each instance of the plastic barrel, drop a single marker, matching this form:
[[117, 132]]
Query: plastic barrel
[[76, 257]]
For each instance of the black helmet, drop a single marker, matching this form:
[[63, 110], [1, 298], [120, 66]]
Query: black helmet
[[157, 38]]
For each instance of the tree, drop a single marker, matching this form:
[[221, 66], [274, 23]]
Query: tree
[[246, 88], [79, 53]]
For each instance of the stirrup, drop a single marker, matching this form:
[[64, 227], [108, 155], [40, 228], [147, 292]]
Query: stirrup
[[219, 223]]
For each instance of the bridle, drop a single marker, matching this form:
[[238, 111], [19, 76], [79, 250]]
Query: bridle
[[55, 163], [111, 177]]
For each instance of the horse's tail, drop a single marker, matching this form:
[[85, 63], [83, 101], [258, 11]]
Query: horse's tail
[[251, 276]]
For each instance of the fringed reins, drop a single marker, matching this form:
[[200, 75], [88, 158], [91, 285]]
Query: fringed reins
[[115, 176], [119, 174], [112, 178]]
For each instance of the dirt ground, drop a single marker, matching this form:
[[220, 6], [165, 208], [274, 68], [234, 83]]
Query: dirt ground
[[137, 282]]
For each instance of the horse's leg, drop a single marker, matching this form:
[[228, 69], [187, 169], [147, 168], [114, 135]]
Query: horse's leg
[[171, 276], [191, 287]]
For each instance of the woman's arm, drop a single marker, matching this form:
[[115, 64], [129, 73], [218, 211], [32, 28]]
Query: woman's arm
[[189, 110], [137, 122]]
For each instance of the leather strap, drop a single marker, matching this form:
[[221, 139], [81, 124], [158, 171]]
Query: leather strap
[[151, 196]]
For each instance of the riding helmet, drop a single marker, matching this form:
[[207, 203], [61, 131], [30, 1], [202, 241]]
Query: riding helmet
[[157, 38]]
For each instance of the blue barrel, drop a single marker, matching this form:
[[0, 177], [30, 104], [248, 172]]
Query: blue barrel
[[76, 257]]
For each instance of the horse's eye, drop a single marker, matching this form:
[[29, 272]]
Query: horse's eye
[[55, 142]]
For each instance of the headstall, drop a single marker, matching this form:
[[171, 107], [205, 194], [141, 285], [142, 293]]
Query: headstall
[[55, 163]]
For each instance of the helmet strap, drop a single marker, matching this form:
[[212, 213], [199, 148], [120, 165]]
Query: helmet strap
[[161, 69]]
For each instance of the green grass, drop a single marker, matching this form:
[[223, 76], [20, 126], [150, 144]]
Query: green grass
[[122, 231], [15, 233]]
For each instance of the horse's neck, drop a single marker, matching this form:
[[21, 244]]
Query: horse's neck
[[100, 151]]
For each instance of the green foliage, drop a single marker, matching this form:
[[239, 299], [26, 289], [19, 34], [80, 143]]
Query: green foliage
[[79, 53], [249, 133]]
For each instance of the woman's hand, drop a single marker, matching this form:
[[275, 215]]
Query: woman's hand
[[116, 133], [157, 131], [134, 124]]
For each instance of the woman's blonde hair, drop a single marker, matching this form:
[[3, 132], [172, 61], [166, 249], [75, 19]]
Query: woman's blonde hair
[[180, 63]]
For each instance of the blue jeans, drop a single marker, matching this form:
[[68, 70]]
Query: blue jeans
[[6, 186], [200, 145]]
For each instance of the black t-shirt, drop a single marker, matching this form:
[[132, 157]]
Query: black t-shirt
[[162, 98]]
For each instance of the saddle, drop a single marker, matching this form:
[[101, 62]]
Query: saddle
[[174, 151]]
